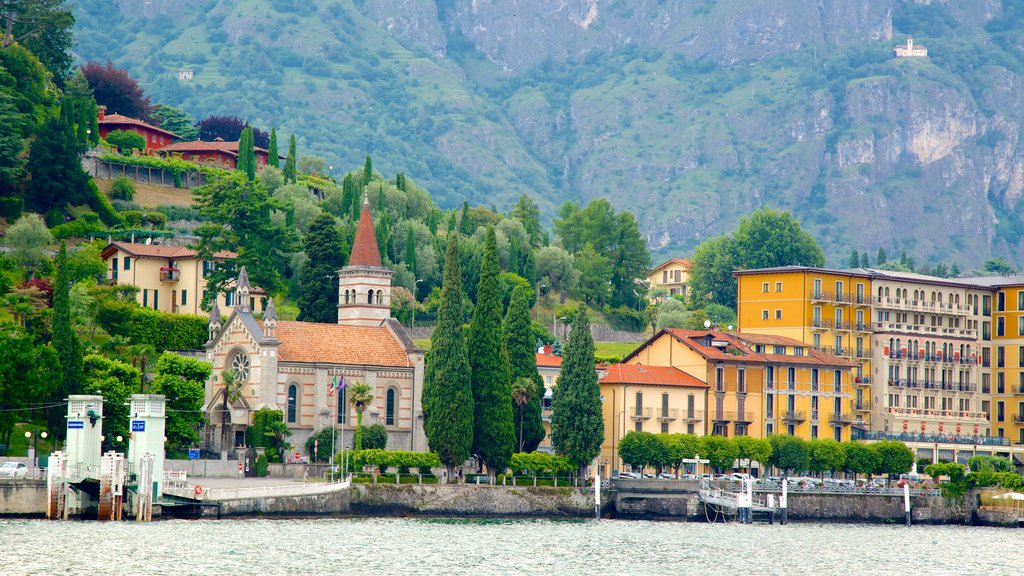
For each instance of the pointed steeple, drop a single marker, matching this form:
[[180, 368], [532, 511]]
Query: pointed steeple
[[214, 323], [364, 248], [270, 319], [242, 291]]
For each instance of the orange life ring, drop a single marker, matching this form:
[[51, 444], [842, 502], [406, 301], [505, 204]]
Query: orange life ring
[[199, 490]]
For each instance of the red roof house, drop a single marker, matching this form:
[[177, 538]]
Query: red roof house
[[156, 137], [217, 153]]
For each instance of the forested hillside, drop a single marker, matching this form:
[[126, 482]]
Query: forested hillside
[[689, 114]]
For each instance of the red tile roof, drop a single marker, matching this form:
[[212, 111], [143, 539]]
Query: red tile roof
[[549, 361], [364, 248], [119, 120], [652, 375], [159, 251], [685, 263], [741, 343], [337, 344], [229, 148]]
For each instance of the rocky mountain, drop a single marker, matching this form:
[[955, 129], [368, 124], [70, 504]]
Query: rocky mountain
[[691, 113]]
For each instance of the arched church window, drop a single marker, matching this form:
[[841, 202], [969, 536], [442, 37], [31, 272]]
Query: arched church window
[[293, 392]]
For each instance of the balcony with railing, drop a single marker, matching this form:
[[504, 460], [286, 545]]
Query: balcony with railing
[[841, 419], [931, 438], [967, 387], [722, 416], [862, 380], [860, 405], [668, 415], [1017, 390], [936, 414], [1018, 418], [168, 274], [637, 413], [897, 383], [862, 327], [843, 326], [743, 417], [821, 296], [820, 324], [693, 415], [794, 416]]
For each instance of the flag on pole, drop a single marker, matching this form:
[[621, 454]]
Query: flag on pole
[[333, 387], [342, 384]]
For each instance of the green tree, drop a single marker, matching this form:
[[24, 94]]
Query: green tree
[[116, 381], [527, 212], [246, 163], [410, 250], [595, 271], [854, 258], [720, 451], [273, 156], [28, 242], [318, 285], [29, 376], [239, 211], [375, 437], [14, 124], [825, 455], [289, 163], [881, 258], [269, 431], [232, 393], [753, 450], [860, 458], [466, 224], [493, 428], [183, 382], [789, 453], [577, 426], [65, 340], [520, 346], [367, 170], [177, 121], [896, 457], [447, 394], [126, 141], [555, 270], [55, 165], [997, 266], [359, 395], [642, 449], [764, 239], [44, 28]]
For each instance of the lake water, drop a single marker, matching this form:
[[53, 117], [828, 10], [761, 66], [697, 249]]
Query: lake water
[[404, 546]]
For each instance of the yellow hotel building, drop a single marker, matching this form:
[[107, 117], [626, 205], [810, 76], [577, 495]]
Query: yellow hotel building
[[757, 385]]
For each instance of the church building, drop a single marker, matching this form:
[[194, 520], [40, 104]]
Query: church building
[[292, 366]]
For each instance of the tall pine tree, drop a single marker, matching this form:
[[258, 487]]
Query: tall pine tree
[[447, 394], [520, 345], [367, 171], [274, 158], [65, 340], [493, 429], [410, 251], [289, 163], [577, 427], [318, 284], [466, 224], [246, 162]]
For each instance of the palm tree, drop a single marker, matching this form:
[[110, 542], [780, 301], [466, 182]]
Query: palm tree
[[522, 392], [359, 395], [232, 392]]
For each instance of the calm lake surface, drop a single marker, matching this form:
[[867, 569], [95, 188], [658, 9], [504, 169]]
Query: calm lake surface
[[405, 546]]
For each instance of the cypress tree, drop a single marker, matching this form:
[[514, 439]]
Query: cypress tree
[[273, 158], [246, 155], [881, 258], [453, 225], [865, 260], [65, 341], [447, 395], [318, 287], [83, 125], [289, 163], [577, 427], [530, 268], [493, 429], [367, 170], [94, 126], [854, 258], [410, 251], [520, 344], [466, 226], [514, 265]]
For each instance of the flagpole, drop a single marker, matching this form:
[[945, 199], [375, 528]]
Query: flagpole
[[334, 432]]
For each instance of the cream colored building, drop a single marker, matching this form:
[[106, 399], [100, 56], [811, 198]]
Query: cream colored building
[[909, 50], [672, 276], [169, 278]]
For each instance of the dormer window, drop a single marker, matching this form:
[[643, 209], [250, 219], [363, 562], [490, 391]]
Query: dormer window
[[798, 351], [779, 350]]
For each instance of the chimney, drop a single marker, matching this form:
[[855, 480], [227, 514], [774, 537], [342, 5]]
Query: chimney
[[102, 113]]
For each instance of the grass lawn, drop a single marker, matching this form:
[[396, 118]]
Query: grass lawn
[[150, 196]]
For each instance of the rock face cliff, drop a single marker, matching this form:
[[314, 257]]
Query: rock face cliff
[[691, 113]]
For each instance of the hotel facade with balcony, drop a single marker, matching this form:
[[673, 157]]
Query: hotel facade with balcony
[[169, 278], [929, 350]]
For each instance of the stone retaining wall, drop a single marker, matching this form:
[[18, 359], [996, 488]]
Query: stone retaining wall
[[23, 498], [329, 504], [471, 500]]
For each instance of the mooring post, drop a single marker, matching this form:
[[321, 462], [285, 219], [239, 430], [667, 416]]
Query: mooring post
[[783, 501], [771, 508], [906, 502]]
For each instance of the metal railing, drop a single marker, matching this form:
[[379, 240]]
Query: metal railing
[[28, 474], [693, 415], [668, 415], [837, 488], [641, 413], [931, 438], [794, 415]]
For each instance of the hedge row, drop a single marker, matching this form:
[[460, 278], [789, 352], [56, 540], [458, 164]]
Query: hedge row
[[162, 331], [384, 459], [99, 203], [540, 463]]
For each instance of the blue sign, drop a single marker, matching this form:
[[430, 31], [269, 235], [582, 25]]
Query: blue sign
[[138, 425], [193, 454], [76, 424]]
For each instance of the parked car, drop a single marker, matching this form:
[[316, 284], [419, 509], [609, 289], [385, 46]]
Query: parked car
[[629, 475], [13, 470], [667, 476]]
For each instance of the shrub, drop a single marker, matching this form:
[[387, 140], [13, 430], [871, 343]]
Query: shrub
[[132, 218], [11, 208], [375, 437], [54, 217], [122, 188], [80, 228], [162, 331], [99, 203], [539, 463], [126, 141], [156, 220], [384, 459], [261, 465]]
